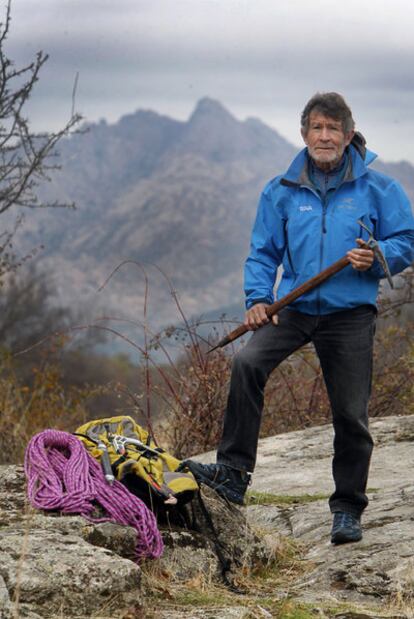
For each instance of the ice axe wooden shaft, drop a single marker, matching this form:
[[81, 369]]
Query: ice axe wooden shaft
[[274, 308]]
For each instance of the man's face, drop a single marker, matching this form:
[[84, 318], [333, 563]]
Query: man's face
[[326, 140]]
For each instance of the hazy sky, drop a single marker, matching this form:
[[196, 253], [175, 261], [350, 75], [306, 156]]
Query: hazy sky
[[260, 58]]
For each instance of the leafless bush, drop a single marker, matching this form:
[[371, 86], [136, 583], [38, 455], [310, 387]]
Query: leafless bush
[[195, 416], [186, 395], [26, 157], [295, 395]]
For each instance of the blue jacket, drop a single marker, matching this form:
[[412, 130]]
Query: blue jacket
[[306, 233]]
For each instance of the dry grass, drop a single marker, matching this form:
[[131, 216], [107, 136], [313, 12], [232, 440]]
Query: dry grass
[[26, 410], [263, 590], [190, 391], [401, 601]]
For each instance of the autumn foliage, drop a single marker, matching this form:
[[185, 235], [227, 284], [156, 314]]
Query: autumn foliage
[[181, 399]]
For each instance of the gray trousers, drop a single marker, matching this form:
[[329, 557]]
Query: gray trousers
[[344, 345]]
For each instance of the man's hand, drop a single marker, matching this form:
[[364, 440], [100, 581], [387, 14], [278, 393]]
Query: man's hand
[[256, 317], [361, 258]]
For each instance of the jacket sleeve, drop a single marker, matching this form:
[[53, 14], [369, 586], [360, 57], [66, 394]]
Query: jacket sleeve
[[395, 231], [266, 251]]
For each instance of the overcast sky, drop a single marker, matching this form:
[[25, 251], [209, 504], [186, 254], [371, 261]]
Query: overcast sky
[[260, 58]]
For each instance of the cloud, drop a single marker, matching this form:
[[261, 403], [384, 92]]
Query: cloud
[[263, 58]]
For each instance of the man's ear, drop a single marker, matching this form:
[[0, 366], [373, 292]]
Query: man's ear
[[304, 134], [349, 136]]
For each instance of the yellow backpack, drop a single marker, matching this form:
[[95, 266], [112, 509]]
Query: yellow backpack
[[135, 460]]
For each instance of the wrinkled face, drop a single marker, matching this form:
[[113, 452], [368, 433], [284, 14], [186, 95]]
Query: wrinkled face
[[326, 140]]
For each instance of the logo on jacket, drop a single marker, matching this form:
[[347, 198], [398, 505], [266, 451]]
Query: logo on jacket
[[348, 206], [307, 207], [347, 203]]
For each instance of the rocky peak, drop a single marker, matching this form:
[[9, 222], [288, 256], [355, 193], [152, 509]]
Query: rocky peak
[[214, 133], [210, 109]]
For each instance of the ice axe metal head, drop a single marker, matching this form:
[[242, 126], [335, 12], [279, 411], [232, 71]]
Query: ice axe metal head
[[373, 244]]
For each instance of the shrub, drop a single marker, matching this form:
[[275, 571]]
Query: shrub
[[295, 395], [186, 396], [27, 410]]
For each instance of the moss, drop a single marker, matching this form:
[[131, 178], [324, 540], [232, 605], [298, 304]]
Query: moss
[[208, 598], [181, 597], [293, 610], [282, 500]]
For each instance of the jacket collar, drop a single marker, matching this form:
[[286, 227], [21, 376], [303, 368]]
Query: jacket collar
[[297, 173]]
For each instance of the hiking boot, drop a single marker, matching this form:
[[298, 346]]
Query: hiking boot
[[229, 483], [346, 528]]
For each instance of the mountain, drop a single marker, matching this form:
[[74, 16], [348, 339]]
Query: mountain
[[181, 195]]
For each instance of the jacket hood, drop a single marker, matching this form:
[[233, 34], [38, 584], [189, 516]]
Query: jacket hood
[[356, 149]]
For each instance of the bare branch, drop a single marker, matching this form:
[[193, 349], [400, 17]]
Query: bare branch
[[26, 157]]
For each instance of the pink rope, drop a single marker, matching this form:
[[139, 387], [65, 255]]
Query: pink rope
[[63, 476]]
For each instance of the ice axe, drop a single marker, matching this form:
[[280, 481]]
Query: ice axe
[[372, 243], [310, 284]]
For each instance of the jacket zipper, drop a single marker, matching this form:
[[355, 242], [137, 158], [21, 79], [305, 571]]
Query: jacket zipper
[[315, 193], [289, 255], [323, 232], [324, 201], [324, 206], [321, 247]]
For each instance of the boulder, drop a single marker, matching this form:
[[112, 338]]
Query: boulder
[[47, 566], [53, 565]]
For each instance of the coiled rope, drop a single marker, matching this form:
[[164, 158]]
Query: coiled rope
[[63, 476]]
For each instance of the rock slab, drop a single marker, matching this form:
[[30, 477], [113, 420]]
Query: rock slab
[[377, 572], [48, 568], [64, 566]]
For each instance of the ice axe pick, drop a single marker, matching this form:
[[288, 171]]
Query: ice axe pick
[[373, 244]]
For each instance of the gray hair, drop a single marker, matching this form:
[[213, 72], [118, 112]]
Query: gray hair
[[330, 104]]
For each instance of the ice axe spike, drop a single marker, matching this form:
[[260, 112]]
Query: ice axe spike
[[373, 244], [274, 308]]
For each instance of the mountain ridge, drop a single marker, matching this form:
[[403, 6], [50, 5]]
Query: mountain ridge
[[152, 189]]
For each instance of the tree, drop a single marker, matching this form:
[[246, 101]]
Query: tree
[[28, 310], [26, 157]]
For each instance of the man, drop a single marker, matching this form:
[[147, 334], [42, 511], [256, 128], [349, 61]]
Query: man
[[307, 219]]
